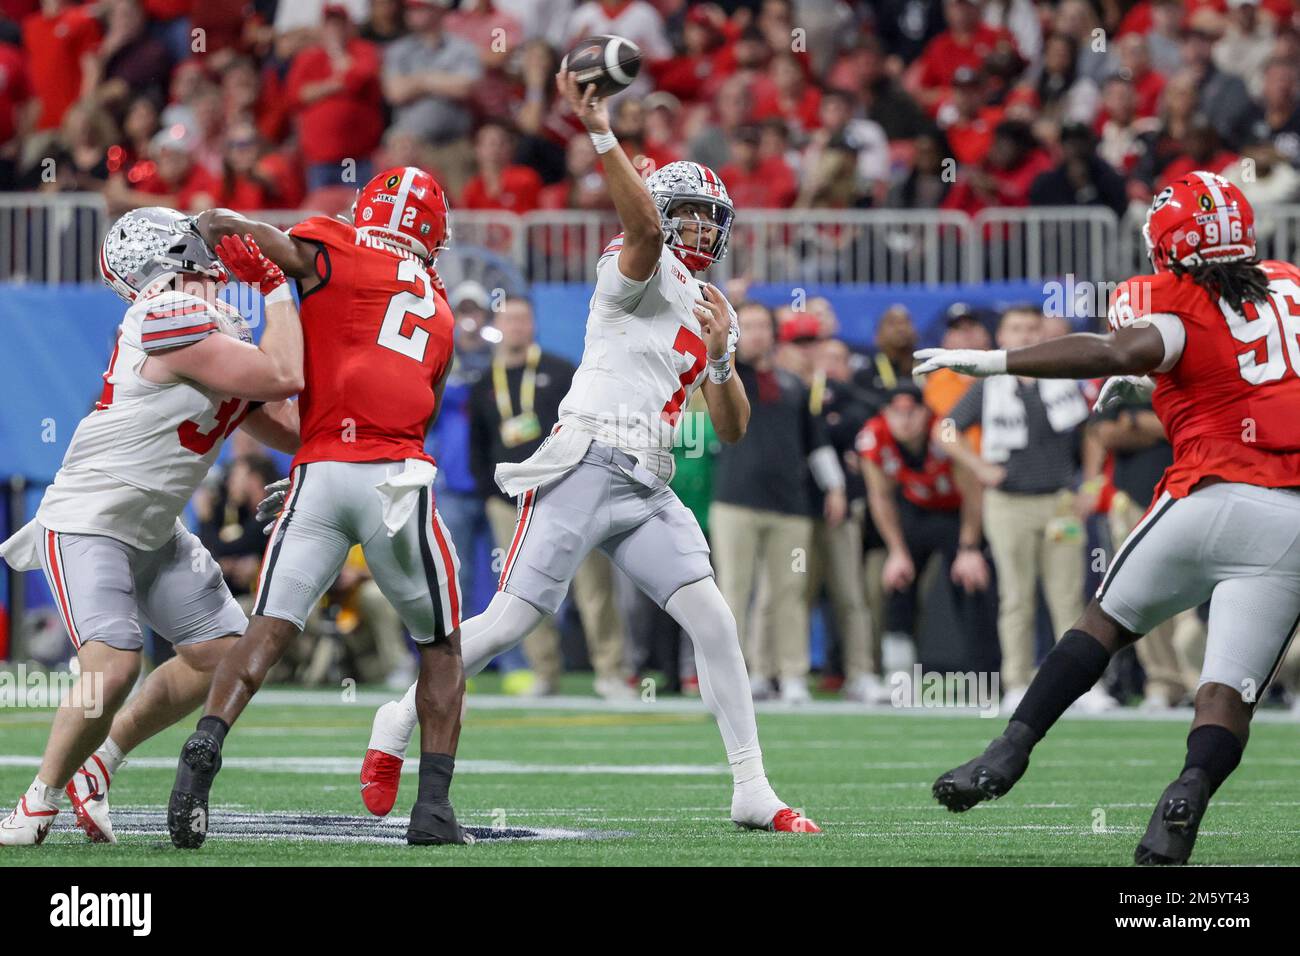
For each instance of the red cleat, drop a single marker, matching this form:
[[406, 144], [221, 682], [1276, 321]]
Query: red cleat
[[792, 821], [381, 773]]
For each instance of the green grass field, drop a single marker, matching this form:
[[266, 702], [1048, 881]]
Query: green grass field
[[649, 787]]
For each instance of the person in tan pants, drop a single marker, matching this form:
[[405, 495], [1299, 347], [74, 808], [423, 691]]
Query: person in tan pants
[[593, 592]]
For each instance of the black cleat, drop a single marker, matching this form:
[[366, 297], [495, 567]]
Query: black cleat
[[1171, 834], [187, 811], [987, 777], [434, 824]]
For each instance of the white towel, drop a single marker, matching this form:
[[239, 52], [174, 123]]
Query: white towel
[[400, 492], [1004, 428], [562, 449], [22, 551]]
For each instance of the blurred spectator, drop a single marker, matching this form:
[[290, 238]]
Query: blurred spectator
[[512, 411], [59, 42], [754, 183], [14, 93], [944, 388], [1082, 178], [921, 511], [761, 518], [784, 92], [1246, 44], [730, 111], [80, 155], [1222, 97], [1078, 20], [1065, 93], [386, 23], [1029, 455], [1201, 150], [1012, 163], [1135, 439], [864, 136], [838, 546], [428, 77], [695, 73], [334, 87], [1268, 179], [1122, 126], [583, 185], [832, 182], [1279, 120], [906, 27], [129, 61], [930, 174], [862, 71], [500, 183], [1135, 66], [540, 117], [1164, 35], [545, 20], [628, 122], [880, 373], [228, 525], [966, 119], [966, 42], [496, 35]]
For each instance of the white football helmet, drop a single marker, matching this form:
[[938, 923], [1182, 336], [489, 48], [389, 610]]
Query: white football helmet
[[687, 182], [148, 245]]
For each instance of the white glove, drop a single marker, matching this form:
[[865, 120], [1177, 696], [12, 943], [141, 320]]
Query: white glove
[[966, 361], [269, 508], [1123, 388]]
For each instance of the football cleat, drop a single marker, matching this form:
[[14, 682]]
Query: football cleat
[[987, 777], [187, 810], [88, 792], [381, 774], [1171, 834], [28, 825], [792, 821], [381, 770], [434, 824]]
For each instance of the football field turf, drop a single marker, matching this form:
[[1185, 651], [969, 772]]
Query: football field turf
[[576, 782]]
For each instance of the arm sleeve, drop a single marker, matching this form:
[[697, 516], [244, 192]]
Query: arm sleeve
[[970, 408]]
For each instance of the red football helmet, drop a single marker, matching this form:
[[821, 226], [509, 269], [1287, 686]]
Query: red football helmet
[[405, 206], [1198, 219]]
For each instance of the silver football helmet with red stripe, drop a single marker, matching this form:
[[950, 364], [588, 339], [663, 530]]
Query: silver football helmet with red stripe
[[148, 245], [686, 183]]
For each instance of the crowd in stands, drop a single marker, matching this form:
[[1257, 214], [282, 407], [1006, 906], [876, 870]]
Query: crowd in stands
[[915, 104]]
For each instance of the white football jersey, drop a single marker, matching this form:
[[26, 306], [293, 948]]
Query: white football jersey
[[136, 460], [643, 357]]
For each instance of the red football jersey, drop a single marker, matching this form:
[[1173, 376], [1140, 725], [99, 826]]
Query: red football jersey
[[377, 337], [1231, 403], [928, 484]]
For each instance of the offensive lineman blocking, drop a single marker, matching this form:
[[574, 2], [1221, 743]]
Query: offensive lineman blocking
[[655, 334]]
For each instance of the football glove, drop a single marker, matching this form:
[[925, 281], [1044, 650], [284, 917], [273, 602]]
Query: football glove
[[247, 263], [978, 362], [269, 508], [1123, 388]]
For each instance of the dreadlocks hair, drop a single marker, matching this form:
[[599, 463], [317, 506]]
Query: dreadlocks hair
[[1236, 282]]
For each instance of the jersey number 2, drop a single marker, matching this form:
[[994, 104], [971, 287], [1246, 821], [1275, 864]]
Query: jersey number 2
[[422, 306], [691, 345]]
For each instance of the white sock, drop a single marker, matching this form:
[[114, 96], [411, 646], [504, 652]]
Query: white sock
[[724, 684], [44, 796], [111, 755]]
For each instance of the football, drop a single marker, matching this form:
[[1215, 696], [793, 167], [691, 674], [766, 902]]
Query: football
[[610, 62]]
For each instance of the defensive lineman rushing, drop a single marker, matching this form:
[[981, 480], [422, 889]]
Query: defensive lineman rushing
[[378, 336], [655, 334], [1220, 332], [183, 376]]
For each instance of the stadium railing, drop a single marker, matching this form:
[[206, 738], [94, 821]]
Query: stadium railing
[[52, 238]]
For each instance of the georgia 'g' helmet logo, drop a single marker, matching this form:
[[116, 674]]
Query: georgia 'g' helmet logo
[[1162, 197]]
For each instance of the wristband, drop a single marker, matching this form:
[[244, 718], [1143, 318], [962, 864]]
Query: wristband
[[719, 369], [281, 293], [603, 142]]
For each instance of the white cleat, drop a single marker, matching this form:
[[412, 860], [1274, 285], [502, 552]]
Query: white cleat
[[868, 689], [612, 688], [1095, 701], [794, 690], [88, 792], [29, 824]]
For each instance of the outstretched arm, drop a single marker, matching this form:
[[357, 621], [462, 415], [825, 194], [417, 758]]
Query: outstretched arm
[[643, 239], [296, 257], [1133, 350]]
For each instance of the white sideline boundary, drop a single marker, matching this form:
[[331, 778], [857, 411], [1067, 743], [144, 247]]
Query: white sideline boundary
[[679, 705]]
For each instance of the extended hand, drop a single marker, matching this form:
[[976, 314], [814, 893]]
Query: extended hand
[[589, 107], [247, 263], [966, 361], [269, 508], [715, 321], [1123, 388]]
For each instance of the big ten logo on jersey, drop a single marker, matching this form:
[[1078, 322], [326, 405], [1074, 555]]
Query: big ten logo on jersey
[[405, 326]]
